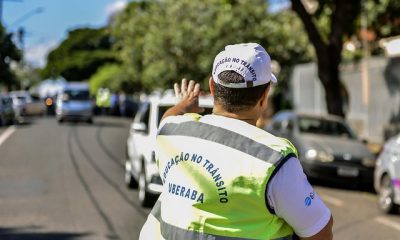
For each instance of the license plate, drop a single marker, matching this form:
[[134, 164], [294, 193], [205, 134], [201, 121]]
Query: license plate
[[347, 172]]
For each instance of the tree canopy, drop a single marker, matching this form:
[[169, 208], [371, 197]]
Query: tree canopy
[[8, 52], [163, 41], [151, 44], [80, 55]]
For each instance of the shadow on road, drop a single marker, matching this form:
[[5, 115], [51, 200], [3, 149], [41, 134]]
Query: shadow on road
[[100, 122], [27, 233]]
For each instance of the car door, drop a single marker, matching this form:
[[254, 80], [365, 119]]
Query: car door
[[138, 137]]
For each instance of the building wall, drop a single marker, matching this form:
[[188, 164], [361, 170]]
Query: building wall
[[374, 98]]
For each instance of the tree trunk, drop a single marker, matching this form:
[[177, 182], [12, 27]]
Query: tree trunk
[[328, 73], [328, 54]]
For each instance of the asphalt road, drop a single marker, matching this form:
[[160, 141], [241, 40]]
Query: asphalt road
[[65, 182]]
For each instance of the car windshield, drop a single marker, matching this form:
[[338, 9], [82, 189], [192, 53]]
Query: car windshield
[[77, 94], [324, 127]]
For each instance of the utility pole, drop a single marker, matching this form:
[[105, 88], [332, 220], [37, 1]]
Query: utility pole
[[1, 8]]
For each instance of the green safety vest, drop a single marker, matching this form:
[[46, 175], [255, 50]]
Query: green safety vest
[[215, 182], [103, 99]]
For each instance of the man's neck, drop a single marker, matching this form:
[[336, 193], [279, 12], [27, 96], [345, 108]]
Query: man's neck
[[250, 116]]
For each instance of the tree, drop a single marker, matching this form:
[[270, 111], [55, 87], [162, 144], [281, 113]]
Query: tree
[[112, 76], [79, 56], [160, 42], [341, 16], [8, 52]]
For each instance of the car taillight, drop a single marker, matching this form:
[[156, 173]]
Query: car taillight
[[49, 102]]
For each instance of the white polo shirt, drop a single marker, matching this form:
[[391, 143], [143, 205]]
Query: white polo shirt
[[298, 203]]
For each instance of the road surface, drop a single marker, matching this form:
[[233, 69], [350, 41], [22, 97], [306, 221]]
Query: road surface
[[65, 182]]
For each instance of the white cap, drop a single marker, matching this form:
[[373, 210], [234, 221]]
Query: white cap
[[247, 59]]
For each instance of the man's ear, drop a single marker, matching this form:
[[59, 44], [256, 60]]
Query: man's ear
[[211, 85], [264, 98]]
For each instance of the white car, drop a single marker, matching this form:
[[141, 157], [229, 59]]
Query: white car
[[387, 176], [140, 167]]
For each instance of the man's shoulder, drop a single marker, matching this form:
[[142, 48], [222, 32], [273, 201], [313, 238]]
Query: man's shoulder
[[279, 144]]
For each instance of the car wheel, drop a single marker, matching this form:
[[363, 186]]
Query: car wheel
[[90, 121], [145, 197], [2, 121], [130, 180], [60, 120], [386, 196]]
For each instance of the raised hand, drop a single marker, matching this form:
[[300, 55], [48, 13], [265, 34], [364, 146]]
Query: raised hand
[[188, 95]]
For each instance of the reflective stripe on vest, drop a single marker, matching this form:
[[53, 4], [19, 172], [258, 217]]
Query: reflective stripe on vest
[[169, 231], [224, 137]]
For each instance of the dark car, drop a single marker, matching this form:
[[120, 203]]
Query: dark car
[[7, 115], [328, 149]]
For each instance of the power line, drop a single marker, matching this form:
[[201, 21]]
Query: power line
[[1, 8], [27, 15]]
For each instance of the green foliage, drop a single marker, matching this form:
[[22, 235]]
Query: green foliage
[[111, 76], [161, 42], [383, 17], [80, 55], [8, 52]]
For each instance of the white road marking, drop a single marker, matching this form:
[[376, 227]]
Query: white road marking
[[388, 222], [6, 134], [334, 201]]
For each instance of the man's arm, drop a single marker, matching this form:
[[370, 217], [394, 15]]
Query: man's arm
[[287, 192], [324, 234], [189, 99]]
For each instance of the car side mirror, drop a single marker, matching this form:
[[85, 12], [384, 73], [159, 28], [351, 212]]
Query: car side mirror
[[139, 127]]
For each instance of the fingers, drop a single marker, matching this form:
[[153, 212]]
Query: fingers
[[187, 89], [191, 86], [177, 90], [196, 90], [184, 86]]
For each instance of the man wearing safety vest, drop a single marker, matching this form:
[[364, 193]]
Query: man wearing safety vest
[[223, 177]]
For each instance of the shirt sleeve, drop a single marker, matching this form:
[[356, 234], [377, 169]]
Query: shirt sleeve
[[293, 199]]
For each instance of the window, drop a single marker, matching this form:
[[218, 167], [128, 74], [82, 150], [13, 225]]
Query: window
[[74, 94], [145, 115], [325, 127], [276, 126], [163, 109]]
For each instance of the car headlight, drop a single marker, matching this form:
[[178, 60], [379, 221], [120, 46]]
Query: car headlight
[[368, 162], [325, 157], [322, 156], [311, 154]]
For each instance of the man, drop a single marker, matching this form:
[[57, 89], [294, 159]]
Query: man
[[223, 177]]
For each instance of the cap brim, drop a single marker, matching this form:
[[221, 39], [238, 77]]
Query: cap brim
[[273, 78]]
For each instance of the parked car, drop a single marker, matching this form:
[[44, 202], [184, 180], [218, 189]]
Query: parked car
[[74, 103], [25, 104], [7, 115], [387, 176], [140, 166], [327, 147]]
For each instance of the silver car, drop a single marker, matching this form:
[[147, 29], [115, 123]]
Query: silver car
[[74, 103], [328, 149], [387, 176]]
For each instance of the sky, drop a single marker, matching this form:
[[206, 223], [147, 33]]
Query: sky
[[47, 22]]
